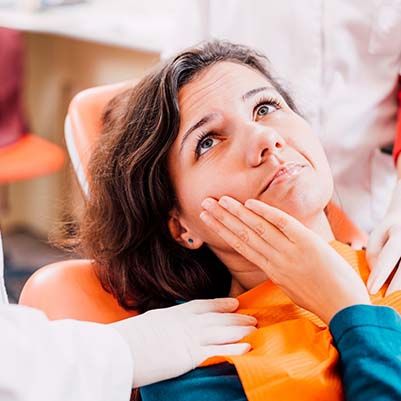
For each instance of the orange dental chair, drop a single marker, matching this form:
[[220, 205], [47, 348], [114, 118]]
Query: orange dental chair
[[71, 289]]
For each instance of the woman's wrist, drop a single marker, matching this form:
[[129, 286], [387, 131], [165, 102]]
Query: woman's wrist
[[345, 305]]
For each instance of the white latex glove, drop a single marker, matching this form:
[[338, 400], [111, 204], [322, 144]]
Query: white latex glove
[[384, 248], [169, 342]]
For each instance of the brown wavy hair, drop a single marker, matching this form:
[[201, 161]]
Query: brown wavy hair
[[124, 225]]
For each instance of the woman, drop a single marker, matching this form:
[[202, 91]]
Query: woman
[[349, 89], [213, 123]]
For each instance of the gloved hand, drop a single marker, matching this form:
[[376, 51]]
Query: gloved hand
[[169, 342], [384, 247]]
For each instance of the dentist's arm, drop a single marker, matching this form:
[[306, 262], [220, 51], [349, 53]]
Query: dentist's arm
[[383, 250], [62, 360], [67, 360]]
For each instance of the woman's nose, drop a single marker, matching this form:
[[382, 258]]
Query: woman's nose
[[262, 143]]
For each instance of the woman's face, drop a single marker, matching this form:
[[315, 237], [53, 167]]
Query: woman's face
[[236, 134]]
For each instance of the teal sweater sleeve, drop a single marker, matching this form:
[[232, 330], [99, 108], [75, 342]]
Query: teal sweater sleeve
[[368, 339]]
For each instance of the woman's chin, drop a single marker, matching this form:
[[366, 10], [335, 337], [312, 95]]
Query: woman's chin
[[301, 196], [301, 205]]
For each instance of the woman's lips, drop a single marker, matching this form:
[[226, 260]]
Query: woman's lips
[[285, 172]]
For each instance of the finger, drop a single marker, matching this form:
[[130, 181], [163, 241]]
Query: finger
[[225, 335], [375, 244], [226, 349], [386, 262], [287, 224], [357, 244], [264, 229], [235, 225], [238, 244], [228, 319], [395, 284], [211, 305]]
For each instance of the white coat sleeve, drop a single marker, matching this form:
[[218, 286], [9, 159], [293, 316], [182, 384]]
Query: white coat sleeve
[[3, 293], [60, 360]]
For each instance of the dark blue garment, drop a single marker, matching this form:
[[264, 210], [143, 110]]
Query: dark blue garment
[[367, 337], [211, 383]]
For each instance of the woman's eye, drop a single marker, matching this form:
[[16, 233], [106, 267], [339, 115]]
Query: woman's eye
[[265, 109], [203, 145], [206, 144]]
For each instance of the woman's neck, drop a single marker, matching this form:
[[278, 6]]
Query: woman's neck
[[246, 275]]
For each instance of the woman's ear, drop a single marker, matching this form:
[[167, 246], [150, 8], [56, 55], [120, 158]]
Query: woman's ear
[[181, 233]]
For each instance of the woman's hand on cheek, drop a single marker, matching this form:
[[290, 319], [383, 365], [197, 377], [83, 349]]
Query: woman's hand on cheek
[[308, 269], [384, 248]]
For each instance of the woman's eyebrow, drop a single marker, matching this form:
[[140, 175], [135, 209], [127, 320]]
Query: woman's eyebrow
[[255, 91], [200, 123]]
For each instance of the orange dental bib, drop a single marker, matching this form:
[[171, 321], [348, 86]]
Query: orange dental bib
[[293, 356]]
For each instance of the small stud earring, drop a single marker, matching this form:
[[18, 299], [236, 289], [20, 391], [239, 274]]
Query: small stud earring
[[190, 240]]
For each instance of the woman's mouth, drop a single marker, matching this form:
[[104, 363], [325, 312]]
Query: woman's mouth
[[284, 172]]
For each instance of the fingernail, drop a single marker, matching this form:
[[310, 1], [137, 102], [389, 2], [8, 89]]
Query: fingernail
[[231, 300], [207, 203], [373, 288], [224, 202], [248, 348], [204, 216], [249, 203]]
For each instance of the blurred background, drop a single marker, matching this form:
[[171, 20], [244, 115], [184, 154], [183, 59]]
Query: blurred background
[[339, 59], [65, 49]]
